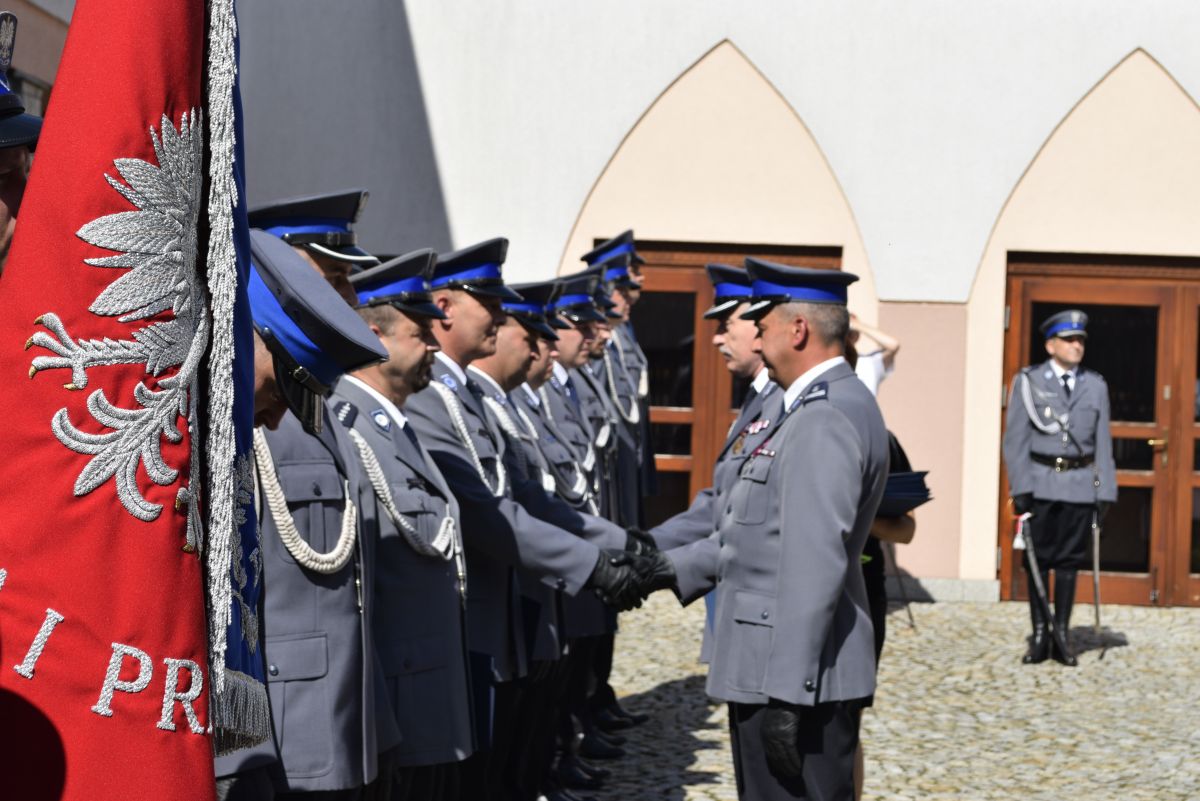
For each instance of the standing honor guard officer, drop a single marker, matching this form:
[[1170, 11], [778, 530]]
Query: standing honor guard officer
[[793, 647], [18, 137], [420, 580], [316, 612], [1058, 453], [508, 523], [321, 229]]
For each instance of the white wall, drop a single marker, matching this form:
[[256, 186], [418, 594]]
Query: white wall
[[928, 111]]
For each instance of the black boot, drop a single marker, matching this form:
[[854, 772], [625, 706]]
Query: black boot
[[1039, 645], [1064, 599]]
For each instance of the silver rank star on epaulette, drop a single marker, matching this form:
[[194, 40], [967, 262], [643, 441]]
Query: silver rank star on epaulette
[[345, 413]]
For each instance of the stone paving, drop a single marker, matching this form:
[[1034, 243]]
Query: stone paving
[[957, 716]]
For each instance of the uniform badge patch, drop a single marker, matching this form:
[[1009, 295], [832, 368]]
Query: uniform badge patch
[[739, 444], [449, 381], [381, 419]]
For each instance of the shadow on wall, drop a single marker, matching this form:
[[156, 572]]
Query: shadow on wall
[[333, 100]]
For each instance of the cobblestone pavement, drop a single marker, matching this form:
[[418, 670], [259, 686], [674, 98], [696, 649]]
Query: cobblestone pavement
[[957, 716]]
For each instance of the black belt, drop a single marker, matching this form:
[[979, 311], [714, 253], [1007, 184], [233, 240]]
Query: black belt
[[1061, 463]]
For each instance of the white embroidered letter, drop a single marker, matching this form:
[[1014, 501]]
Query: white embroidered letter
[[112, 680], [39, 642], [3, 576], [171, 694]]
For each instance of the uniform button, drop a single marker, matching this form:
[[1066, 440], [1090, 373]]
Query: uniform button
[[729, 509], [273, 670], [720, 579], [317, 490], [810, 685], [765, 615]]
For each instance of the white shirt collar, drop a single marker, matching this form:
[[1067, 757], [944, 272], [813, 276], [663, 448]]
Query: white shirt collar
[[533, 396], [800, 384], [392, 409], [1060, 371], [761, 379], [487, 379], [560, 373], [452, 366]]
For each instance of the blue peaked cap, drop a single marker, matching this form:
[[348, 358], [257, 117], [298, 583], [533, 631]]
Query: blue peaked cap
[[621, 243], [731, 286], [476, 268], [774, 283], [402, 282], [1071, 322], [576, 298], [615, 270], [321, 223], [535, 308], [293, 304]]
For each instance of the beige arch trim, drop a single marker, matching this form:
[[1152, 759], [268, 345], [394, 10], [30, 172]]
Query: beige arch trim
[[564, 257], [1083, 99]]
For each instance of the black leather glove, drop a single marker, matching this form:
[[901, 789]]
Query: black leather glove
[[1102, 510], [615, 581], [1023, 503], [639, 542], [780, 737], [655, 572]]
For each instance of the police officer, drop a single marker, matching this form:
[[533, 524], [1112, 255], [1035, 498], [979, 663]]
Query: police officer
[[735, 340], [317, 644], [508, 522], [420, 580], [321, 229], [793, 647], [1058, 453], [18, 138]]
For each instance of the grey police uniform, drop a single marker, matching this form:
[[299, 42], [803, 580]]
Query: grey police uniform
[[603, 421], [1043, 424], [318, 651], [523, 527], [419, 620], [792, 622]]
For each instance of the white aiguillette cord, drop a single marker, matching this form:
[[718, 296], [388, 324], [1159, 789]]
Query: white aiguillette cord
[[300, 550], [460, 427], [444, 544], [634, 415]]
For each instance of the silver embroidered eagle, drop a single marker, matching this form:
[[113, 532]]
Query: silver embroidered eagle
[[157, 246]]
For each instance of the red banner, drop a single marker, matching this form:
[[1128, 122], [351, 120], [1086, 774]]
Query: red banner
[[103, 669]]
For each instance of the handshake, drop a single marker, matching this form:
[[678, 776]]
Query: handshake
[[623, 579]]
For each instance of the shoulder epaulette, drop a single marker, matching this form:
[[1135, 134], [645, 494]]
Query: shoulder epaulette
[[818, 391], [345, 412]]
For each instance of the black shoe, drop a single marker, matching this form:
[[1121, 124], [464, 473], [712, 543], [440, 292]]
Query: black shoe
[[608, 721], [606, 737], [591, 770], [1039, 644], [1064, 600], [592, 747], [571, 775], [634, 719]]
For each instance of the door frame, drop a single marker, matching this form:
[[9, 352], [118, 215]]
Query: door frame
[[1177, 280]]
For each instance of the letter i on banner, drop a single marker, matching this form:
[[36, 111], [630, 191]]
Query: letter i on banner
[[109, 310]]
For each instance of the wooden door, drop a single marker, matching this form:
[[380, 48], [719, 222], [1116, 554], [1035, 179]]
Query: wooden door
[[693, 399], [1142, 336]]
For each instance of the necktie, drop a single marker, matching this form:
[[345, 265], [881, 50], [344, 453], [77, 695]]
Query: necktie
[[1066, 382], [751, 394], [570, 387], [412, 437]]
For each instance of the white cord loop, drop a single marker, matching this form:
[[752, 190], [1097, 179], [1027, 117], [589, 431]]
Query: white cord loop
[[454, 409], [634, 415], [443, 545], [301, 551]]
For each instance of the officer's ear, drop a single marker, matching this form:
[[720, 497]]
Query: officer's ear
[[443, 300], [1050, 346]]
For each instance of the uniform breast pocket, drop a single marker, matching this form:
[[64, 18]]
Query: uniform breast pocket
[[315, 497], [751, 496], [753, 635], [1083, 428]]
